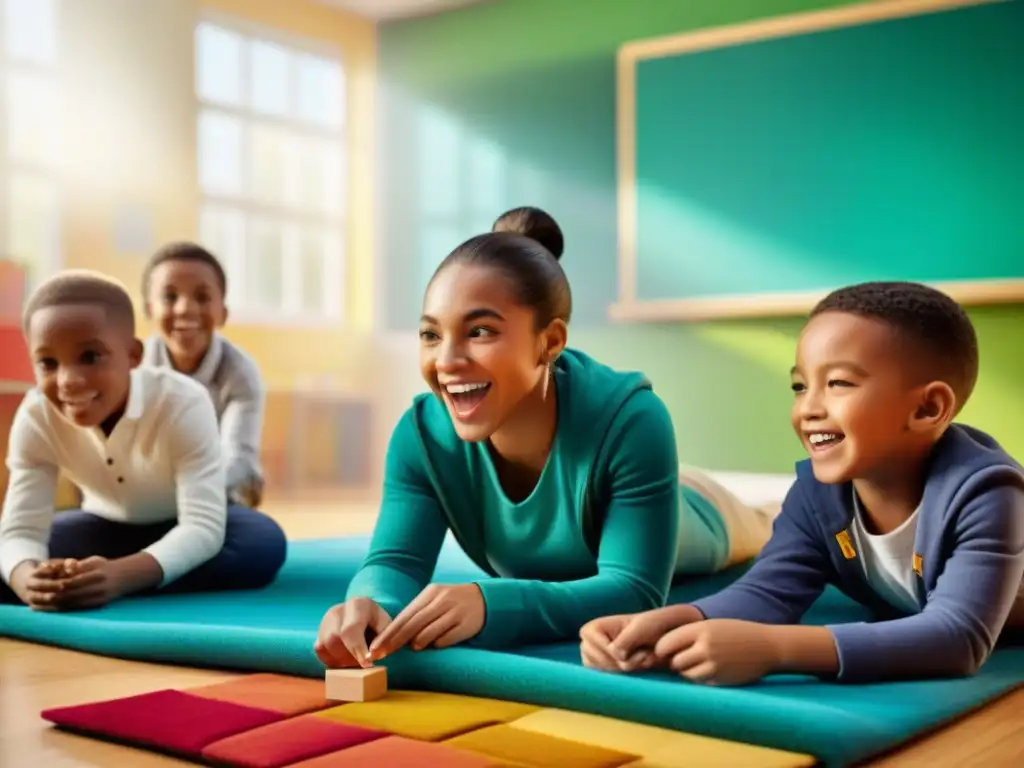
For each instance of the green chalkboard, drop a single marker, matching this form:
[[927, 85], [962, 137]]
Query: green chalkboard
[[771, 169]]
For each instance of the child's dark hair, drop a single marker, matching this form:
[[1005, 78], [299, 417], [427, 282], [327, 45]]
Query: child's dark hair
[[85, 288], [183, 251], [525, 245], [926, 318]]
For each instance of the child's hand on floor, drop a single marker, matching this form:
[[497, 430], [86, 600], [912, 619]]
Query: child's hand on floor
[[249, 495], [341, 641], [56, 568], [39, 585], [90, 583], [720, 651], [626, 643], [596, 639]]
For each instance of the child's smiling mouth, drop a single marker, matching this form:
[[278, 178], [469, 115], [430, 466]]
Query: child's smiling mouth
[[186, 330], [820, 442], [78, 404]]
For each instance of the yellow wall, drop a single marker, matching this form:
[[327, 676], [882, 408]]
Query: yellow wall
[[282, 353], [132, 111]]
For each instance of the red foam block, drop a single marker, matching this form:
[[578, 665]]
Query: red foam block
[[399, 752], [168, 720], [280, 744]]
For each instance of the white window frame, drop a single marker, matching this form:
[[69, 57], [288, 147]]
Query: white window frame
[[291, 312], [52, 259]]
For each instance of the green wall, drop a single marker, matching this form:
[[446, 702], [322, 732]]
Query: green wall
[[513, 102]]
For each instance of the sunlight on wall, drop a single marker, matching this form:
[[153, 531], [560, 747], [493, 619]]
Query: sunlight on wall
[[464, 181], [671, 224], [769, 347]]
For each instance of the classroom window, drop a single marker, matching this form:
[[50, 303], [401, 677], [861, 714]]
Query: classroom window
[[272, 171], [31, 125]]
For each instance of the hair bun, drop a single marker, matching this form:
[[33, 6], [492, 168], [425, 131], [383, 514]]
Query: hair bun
[[533, 223]]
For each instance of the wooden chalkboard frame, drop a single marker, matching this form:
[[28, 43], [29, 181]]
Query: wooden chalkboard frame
[[629, 306]]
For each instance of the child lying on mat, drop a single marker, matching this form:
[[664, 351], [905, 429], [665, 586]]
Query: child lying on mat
[[141, 443], [184, 288], [905, 511], [557, 475]]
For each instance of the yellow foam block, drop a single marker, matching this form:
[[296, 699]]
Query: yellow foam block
[[427, 716], [655, 747], [539, 750]]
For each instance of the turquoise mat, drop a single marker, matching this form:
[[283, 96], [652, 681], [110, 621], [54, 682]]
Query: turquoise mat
[[273, 630]]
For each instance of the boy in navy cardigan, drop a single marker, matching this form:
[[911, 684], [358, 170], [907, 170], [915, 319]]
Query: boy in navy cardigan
[[917, 517]]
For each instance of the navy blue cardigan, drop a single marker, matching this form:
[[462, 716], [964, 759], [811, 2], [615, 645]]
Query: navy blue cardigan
[[969, 557]]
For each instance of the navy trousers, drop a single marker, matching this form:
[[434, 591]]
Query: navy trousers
[[254, 549]]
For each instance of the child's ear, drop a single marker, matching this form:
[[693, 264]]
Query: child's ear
[[135, 351], [147, 310], [223, 316], [936, 407]]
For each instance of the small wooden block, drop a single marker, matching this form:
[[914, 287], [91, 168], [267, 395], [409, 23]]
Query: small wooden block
[[357, 684]]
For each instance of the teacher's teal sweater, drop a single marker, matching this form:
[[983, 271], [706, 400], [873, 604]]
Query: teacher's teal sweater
[[597, 536]]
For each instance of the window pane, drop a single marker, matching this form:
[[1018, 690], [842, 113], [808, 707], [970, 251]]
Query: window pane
[[269, 164], [485, 173], [264, 265], [320, 266], [269, 78], [33, 224], [31, 30], [222, 232], [436, 242], [322, 181], [321, 94], [33, 122], [439, 172], [218, 65], [220, 153], [313, 270]]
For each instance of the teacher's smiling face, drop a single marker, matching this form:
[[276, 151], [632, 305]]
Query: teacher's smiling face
[[481, 350]]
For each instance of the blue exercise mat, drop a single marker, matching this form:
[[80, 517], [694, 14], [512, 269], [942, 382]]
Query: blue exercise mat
[[273, 631]]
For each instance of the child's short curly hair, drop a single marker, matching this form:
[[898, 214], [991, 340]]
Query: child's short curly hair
[[926, 318], [183, 251], [82, 287]]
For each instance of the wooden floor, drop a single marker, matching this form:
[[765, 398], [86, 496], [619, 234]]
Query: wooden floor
[[33, 678]]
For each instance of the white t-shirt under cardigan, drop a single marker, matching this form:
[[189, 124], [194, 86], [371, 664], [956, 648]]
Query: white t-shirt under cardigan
[[888, 559], [233, 380], [161, 461]]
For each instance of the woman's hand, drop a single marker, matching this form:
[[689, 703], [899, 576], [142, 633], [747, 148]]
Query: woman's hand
[[442, 615], [341, 641]]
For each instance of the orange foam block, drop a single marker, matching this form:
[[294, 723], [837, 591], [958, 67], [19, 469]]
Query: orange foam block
[[278, 693]]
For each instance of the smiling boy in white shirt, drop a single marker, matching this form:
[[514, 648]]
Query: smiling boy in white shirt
[[143, 446]]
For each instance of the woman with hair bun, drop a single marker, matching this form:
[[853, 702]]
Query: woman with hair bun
[[557, 475]]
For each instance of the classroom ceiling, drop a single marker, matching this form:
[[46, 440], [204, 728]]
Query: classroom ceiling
[[388, 10]]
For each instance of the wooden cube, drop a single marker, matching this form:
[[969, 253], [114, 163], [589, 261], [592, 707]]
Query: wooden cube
[[357, 684]]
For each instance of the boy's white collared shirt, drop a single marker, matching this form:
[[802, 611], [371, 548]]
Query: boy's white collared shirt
[[161, 462]]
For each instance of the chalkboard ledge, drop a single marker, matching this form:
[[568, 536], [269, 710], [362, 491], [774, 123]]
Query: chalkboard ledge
[[797, 304]]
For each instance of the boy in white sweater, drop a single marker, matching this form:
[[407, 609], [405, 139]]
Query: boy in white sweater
[[143, 446]]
